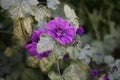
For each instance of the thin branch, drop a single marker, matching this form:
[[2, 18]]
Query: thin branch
[[59, 70]]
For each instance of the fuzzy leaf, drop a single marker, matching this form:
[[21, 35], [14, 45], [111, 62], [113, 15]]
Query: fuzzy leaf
[[26, 23], [109, 60], [59, 51], [58, 12], [46, 63], [73, 52], [86, 53], [53, 76], [45, 43], [22, 28], [53, 4], [41, 13], [32, 61], [71, 16], [19, 8], [117, 63], [41, 24], [76, 71]]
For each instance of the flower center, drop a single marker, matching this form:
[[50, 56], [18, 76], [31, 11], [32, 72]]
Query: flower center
[[59, 32]]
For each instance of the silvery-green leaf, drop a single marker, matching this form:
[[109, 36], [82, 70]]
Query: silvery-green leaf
[[32, 61], [41, 13], [70, 50], [22, 28], [98, 45], [86, 38], [109, 60], [53, 4], [69, 12], [46, 63], [109, 43], [6, 4], [42, 64], [53, 76], [59, 51], [41, 24], [86, 53], [117, 63], [58, 12], [19, 8], [114, 75], [76, 71], [26, 23], [46, 43], [73, 52], [98, 56], [71, 16]]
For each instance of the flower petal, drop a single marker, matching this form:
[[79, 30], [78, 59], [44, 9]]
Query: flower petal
[[64, 24], [51, 33], [36, 34], [68, 39], [52, 25], [58, 21], [80, 31], [30, 46], [46, 54], [32, 52], [40, 56], [61, 40], [69, 31]]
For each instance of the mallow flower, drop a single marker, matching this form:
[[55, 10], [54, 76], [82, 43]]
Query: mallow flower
[[32, 47], [94, 72], [106, 78], [80, 31], [60, 31]]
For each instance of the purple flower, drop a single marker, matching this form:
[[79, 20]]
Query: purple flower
[[44, 54], [94, 72], [60, 30], [106, 78], [31, 47], [80, 31], [36, 35], [66, 57]]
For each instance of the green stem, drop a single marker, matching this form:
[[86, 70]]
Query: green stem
[[59, 71]]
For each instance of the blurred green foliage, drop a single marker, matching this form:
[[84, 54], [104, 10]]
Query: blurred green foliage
[[100, 18]]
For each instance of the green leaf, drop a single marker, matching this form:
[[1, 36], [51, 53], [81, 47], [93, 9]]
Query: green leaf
[[70, 15], [53, 4], [22, 28], [46, 63], [46, 43], [32, 61], [117, 63], [53, 76], [41, 13], [73, 52], [19, 8], [76, 71], [59, 51], [86, 53], [109, 60]]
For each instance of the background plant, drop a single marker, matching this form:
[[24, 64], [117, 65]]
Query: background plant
[[100, 19]]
